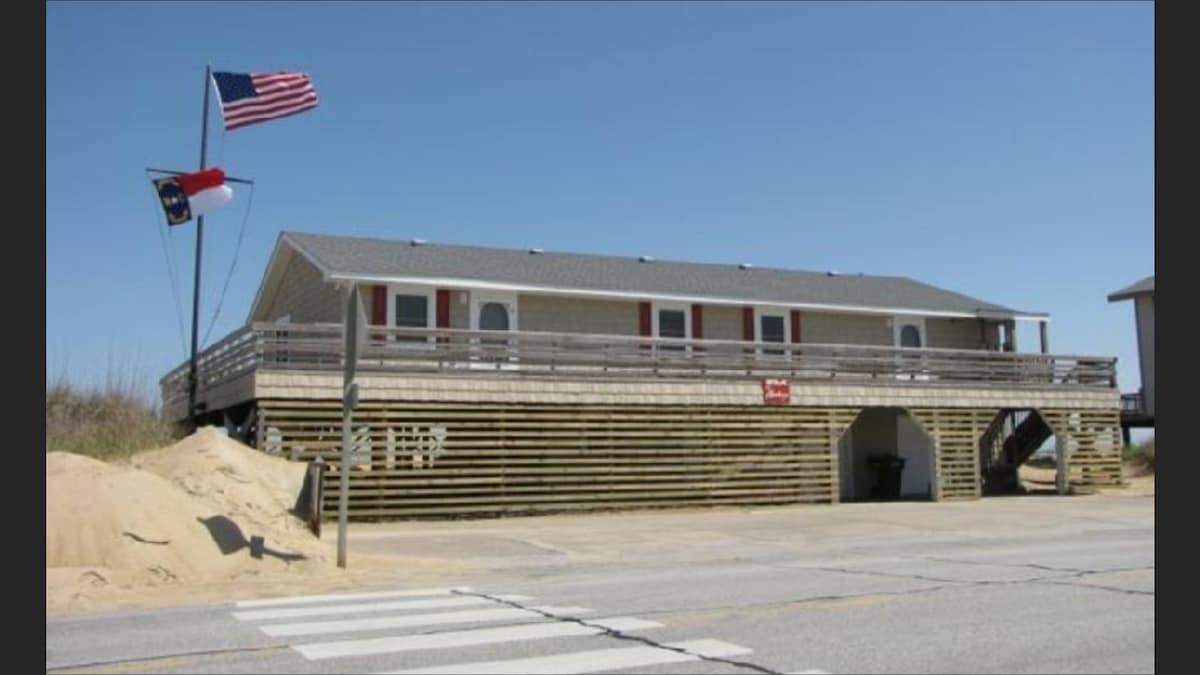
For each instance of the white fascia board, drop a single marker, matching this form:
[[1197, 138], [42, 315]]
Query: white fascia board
[[266, 275], [309, 257], [661, 297]]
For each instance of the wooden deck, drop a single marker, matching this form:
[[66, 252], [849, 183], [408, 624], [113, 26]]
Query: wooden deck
[[456, 423], [228, 368]]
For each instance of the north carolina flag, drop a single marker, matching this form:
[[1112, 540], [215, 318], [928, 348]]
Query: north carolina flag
[[192, 194]]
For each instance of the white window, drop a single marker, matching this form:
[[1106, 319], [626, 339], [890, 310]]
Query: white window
[[411, 307], [771, 325], [672, 320]]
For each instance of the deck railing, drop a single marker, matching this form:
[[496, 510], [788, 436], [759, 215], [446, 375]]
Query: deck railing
[[1132, 404], [524, 353]]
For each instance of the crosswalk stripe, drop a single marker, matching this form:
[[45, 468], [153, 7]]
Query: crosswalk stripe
[[339, 597], [412, 620], [589, 661], [359, 608], [479, 636]]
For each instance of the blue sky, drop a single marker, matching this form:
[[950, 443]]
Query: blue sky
[[1003, 150]]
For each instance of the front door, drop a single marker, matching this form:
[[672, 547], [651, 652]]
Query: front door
[[909, 333], [494, 312]]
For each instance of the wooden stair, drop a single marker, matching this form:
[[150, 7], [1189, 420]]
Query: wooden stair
[[1026, 439], [1000, 475]]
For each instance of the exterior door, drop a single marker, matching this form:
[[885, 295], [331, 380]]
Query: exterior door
[[909, 333], [494, 312]]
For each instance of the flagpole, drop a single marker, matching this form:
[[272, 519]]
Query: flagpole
[[193, 380]]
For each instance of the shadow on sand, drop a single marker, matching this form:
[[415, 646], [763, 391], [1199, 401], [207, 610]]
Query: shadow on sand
[[230, 539]]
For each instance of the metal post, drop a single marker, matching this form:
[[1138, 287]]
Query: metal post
[[1045, 337], [193, 380], [354, 330], [344, 486]]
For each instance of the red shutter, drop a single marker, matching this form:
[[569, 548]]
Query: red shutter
[[697, 322], [379, 305], [748, 324], [644, 318], [796, 326], [443, 308]]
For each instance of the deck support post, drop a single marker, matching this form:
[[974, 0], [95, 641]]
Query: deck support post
[[1061, 472]]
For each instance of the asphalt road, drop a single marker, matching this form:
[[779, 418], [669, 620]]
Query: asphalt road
[[1001, 585]]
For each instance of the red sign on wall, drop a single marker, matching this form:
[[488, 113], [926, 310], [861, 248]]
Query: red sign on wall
[[776, 391]]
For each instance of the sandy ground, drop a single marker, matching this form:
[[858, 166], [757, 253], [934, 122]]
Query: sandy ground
[[1138, 475], [174, 525]]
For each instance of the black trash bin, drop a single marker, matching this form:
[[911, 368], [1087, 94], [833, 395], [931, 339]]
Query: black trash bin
[[887, 474]]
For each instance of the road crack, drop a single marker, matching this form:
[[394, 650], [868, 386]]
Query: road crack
[[620, 635], [1056, 580]]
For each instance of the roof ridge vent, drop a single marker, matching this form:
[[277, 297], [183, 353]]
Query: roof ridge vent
[[536, 251], [645, 258], [418, 242], [745, 266]]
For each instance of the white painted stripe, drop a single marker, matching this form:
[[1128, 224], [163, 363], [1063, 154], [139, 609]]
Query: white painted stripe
[[590, 661], [413, 620], [465, 638], [337, 597], [360, 608]]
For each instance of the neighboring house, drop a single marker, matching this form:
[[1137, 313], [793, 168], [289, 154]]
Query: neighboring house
[[1137, 410], [501, 381]]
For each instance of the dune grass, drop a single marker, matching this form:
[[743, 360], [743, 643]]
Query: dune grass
[[107, 421]]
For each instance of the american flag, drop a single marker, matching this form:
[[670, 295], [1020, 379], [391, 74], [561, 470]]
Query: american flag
[[254, 98]]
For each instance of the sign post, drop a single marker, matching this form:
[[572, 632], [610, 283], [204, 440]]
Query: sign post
[[355, 333]]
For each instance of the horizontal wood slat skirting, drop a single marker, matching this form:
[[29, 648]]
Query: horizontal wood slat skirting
[[957, 434], [1093, 443], [441, 460], [444, 459]]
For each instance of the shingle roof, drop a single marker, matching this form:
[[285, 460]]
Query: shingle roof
[[1144, 286], [353, 257]]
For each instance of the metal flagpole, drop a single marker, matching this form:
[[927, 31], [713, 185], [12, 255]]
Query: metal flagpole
[[192, 375]]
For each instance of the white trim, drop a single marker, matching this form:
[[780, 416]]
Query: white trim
[[768, 310], [480, 297], [429, 294], [309, 257], [266, 275], [898, 323], [686, 308], [451, 282]]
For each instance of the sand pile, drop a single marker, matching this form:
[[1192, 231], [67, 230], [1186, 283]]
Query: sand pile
[[181, 515], [251, 488], [121, 522]]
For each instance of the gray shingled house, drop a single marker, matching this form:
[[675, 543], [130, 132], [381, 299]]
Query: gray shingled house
[[521, 381], [1137, 409]]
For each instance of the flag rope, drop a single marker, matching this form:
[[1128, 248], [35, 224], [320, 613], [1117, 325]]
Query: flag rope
[[236, 252], [171, 274]]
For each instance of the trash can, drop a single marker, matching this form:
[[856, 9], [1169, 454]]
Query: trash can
[[887, 474]]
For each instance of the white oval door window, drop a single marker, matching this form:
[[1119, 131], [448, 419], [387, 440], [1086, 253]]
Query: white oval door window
[[910, 336], [493, 316]]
